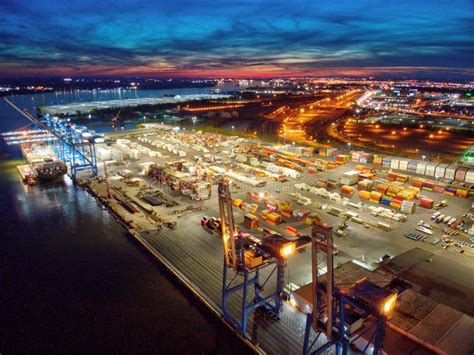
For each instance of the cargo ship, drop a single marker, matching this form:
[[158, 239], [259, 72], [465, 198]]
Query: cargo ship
[[43, 163]]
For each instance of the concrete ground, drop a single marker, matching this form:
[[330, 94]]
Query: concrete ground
[[371, 243]]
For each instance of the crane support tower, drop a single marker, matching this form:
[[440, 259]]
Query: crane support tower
[[253, 268], [335, 310]]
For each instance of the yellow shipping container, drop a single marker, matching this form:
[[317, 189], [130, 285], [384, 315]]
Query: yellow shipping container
[[416, 190], [237, 202], [364, 194]]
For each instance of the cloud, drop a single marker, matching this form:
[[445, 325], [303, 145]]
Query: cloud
[[165, 37]]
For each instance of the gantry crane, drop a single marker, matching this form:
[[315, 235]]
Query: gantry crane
[[74, 145], [333, 306], [251, 265]]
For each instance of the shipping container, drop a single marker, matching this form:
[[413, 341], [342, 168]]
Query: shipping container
[[426, 203], [364, 195], [421, 168], [461, 173], [378, 160], [430, 169], [470, 176], [403, 165], [450, 172], [394, 164], [441, 170], [412, 166], [386, 162], [350, 177]]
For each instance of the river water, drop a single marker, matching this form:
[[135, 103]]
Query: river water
[[73, 281]]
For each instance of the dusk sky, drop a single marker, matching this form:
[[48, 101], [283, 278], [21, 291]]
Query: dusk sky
[[214, 38]]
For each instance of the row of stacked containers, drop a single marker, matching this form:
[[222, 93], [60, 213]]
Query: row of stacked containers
[[435, 170]]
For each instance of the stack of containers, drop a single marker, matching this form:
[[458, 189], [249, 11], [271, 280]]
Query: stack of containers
[[391, 176], [386, 162], [461, 173], [416, 190], [439, 189], [427, 185], [396, 203], [366, 176], [417, 182], [378, 160], [347, 190], [426, 202], [412, 166], [461, 193], [365, 185], [385, 200], [300, 215], [392, 191], [408, 206], [450, 172], [403, 165], [288, 212], [355, 157], [342, 159], [406, 195], [375, 196], [250, 221], [321, 183], [382, 188], [402, 177], [421, 168], [450, 191], [364, 195], [331, 183]]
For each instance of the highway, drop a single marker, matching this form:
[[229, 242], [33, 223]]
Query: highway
[[297, 124]]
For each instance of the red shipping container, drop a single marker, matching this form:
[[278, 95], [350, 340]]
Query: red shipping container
[[426, 202]]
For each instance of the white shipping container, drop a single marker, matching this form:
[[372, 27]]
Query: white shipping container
[[470, 176], [430, 169], [394, 164], [450, 172], [421, 168], [440, 170], [403, 165], [117, 155], [350, 177]]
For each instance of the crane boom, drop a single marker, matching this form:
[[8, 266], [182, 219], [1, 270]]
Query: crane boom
[[229, 235]]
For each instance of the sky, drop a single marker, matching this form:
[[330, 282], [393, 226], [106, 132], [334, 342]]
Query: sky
[[240, 38]]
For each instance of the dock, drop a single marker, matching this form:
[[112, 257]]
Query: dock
[[195, 255]]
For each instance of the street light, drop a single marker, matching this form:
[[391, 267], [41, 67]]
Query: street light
[[233, 127], [423, 157]]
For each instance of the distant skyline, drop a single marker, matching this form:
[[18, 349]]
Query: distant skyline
[[243, 38]]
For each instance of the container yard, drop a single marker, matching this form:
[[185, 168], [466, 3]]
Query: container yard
[[162, 184]]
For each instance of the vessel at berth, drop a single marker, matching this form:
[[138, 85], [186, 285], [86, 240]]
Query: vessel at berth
[[44, 162]]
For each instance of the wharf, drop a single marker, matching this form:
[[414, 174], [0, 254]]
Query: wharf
[[195, 256], [198, 265]]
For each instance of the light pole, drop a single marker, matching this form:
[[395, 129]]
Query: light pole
[[349, 147], [423, 157], [233, 127]]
